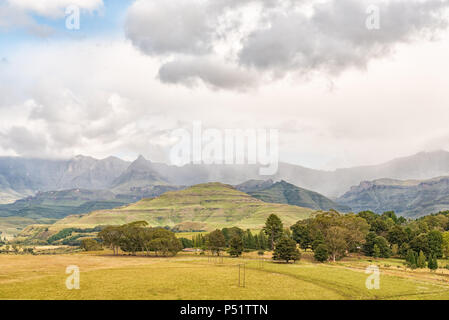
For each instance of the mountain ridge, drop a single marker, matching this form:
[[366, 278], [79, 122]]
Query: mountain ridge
[[410, 198], [21, 177], [287, 193]]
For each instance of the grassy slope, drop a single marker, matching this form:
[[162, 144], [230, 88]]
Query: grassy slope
[[214, 204], [193, 277]]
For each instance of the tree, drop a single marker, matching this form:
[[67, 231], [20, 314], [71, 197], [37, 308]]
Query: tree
[[403, 250], [335, 241], [397, 235], [368, 246], [420, 243], [432, 263], [186, 243], [446, 244], [90, 245], [216, 241], [249, 241], [229, 233], [273, 229], [111, 237], [384, 247], [236, 246], [376, 251], [263, 241], [394, 250], [411, 259], [421, 262], [286, 250], [435, 243], [321, 253], [301, 234], [390, 214]]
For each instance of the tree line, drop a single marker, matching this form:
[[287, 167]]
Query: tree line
[[332, 236], [235, 241], [138, 237]]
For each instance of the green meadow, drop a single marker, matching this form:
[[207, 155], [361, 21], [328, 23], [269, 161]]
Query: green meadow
[[189, 276]]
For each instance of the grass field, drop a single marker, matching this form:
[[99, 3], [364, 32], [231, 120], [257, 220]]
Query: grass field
[[195, 277]]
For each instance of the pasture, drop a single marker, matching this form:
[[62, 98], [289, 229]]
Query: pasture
[[189, 276]]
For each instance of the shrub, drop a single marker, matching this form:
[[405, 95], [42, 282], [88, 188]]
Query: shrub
[[321, 253]]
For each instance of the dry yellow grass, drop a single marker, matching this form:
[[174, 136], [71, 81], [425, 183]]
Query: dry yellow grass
[[194, 277]]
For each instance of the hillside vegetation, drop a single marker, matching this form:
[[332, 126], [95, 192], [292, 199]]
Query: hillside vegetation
[[214, 205], [287, 193]]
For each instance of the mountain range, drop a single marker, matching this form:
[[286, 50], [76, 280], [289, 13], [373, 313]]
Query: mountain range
[[410, 198], [201, 207], [20, 177]]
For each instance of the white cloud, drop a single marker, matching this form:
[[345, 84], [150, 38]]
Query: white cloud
[[284, 37], [54, 8], [20, 14], [104, 97]]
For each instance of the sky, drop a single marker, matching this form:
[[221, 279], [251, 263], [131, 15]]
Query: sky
[[340, 93]]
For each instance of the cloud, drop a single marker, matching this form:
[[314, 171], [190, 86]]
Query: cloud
[[281, 38], [216, 74], [24, 141], [53, 8], [170, 26], [21, 14], [335, 38]]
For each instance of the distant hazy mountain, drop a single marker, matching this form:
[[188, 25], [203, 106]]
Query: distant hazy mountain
[[410, 198], [140, 173], [284, 192], [22, 177], [59, 204]]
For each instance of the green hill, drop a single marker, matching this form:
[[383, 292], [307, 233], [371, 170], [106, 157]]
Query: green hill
[[287, 193], [213, 205]]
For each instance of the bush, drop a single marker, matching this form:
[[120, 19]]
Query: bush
[[321, 253]]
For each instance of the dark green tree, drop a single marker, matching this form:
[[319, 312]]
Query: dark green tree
[[236, 246], [384, 247], [435, 243], [376, 251], [397, 235], [286, 250], [273, 229], [321, 253], [368, 246], [432, 263], [216, 241], [302, 235]]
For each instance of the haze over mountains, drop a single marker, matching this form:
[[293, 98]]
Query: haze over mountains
[[21, 177], [411, 198]]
